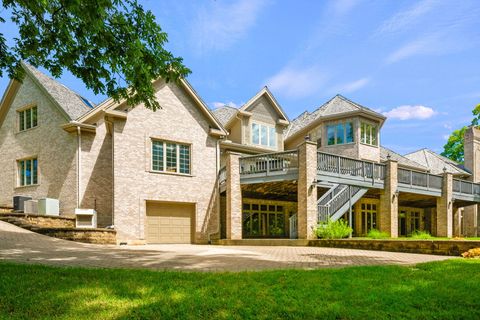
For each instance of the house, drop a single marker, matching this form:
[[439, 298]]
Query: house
[[187, 174]]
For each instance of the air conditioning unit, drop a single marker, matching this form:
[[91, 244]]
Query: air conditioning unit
[[48, 206], [85, 218], [18, 202], [30, 207]]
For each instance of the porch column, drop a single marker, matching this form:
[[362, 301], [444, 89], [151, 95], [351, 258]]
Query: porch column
[[307, 190], [234, 197], [388, 213], [445, 208], [457, 222]]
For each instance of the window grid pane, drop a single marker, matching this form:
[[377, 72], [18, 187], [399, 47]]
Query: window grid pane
[[264, 135], [340, 133], [330, 135], [28, 117], [34, 117], [255, 133], [34, 171], [272, 137], [349, 132], [22, 173], [21, 120], [157, 156], [184, 159], [171, 157]]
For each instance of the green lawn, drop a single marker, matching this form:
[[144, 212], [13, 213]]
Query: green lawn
[[444, 290]]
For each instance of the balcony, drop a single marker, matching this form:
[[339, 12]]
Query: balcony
[[419, 182], [268, 167], [466, 190]]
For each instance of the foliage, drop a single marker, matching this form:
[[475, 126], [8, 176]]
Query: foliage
[[377, 234], [333, 229], [421, 235], [454, 148], [472, 253], [450, 289], [114, 46]]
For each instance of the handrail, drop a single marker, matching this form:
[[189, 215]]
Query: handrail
[[269, 162], [415, 178], [466, 187], [327, 162]]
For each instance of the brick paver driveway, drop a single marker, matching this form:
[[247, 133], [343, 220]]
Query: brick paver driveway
[[20, 245]]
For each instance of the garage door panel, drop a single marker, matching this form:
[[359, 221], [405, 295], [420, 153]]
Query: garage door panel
[[169, 223]]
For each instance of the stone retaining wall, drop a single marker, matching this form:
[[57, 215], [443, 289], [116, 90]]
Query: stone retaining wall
[[43, 221], [97, 236]]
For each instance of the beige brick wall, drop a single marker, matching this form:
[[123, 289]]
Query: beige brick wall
[[179, 120], [388, 213], [307, 191], [55, 149]]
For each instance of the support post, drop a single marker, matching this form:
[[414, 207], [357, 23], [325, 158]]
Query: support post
[[307, 190], [234, 197], [388, 214], [445, 208]]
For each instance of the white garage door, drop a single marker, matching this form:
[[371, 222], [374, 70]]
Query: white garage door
[[169, 222]]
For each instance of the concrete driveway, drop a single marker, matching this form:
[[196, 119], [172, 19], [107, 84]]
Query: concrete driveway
[[20, 245]]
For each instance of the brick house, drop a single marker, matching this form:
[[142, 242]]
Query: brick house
[[188, 174]]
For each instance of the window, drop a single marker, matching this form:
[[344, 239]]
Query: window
[[340, 133], [264, 135], [27, 118], [369, 134], [369, 217], [170, 157], [27, 172]]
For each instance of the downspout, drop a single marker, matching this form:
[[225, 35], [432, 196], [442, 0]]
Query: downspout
[[79, 164], [217, 186]]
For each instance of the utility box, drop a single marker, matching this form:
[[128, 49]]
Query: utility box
[[18, 202], [30, 207], [48, 206], [85, 218]]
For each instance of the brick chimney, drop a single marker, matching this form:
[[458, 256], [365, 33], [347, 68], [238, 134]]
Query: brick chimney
[[471, 144]]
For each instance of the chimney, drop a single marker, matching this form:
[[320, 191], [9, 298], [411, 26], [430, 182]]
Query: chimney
[[471, 142]]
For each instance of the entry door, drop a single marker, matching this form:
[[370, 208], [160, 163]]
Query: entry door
[[402, 223]]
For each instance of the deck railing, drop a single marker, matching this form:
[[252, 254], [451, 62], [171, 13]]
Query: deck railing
[[269, 162], [327, 162], [414, 178], [466, 187]]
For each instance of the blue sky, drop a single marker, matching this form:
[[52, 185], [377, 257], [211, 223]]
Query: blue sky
[[418, 62]]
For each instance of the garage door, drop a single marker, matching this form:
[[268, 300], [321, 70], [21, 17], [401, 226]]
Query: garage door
[[169, 223]]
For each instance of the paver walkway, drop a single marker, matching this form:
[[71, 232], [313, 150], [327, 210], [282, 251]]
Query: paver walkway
[[20, 245]]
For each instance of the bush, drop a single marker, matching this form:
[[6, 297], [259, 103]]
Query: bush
[[472, 253], [421, 235], [377, 234], [333, 229]]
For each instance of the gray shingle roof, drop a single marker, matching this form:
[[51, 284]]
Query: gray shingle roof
[[337, 105], [72, 103], [435, 162], [402, 161], [224, 114]]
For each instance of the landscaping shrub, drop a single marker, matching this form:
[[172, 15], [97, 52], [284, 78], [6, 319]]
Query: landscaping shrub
[[333, 229], [377, 234], [472, 253], [421, 235]]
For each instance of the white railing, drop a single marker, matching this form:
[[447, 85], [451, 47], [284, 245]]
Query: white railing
[[414, 178], [327, 162], [269, 162], [466, 187]]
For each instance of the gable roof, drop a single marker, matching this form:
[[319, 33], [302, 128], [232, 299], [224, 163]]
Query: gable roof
[[402, 161], [335, 106], [435, 162], [266, 92], [224, 114], [69, 101]]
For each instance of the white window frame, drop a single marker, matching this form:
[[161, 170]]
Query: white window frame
[[23, 112], [366, 129], [177, 157], [20, 173], [334, 125], [269, 129]]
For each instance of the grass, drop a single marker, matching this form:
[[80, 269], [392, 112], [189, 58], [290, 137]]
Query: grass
[[441, 290]]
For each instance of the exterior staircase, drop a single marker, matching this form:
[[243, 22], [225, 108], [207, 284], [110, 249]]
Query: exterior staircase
[[337, 200]]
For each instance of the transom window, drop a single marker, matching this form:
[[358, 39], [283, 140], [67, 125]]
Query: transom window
[[369, 134], [340, 133], [27, 118], [264, 135], [27, 172], [170, 157]]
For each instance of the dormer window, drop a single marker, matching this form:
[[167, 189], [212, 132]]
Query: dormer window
[[340, 133], [369, 134], [27, 118], [264, 135]]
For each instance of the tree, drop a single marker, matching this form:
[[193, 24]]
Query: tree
[[114, 46], [454, 149]]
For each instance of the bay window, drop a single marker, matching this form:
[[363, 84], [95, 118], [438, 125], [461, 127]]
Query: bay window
[[369, 134], [340, 133]]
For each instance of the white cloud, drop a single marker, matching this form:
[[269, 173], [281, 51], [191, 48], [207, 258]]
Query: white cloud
[[406, 18], [223, 23], [296, 83], [426, 45], [410, 112], [352, 86], [218, 104]]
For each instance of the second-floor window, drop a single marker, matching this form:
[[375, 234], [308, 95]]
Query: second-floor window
[[340, 133], [27, 172], [171, 157], [369, 134], [264, 135], [27, 118]]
